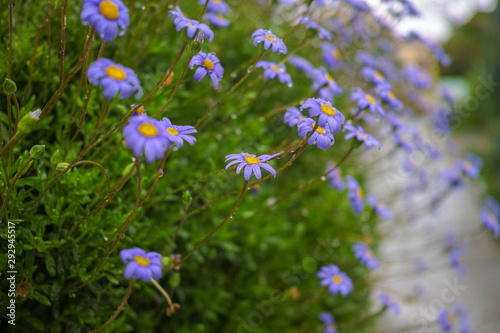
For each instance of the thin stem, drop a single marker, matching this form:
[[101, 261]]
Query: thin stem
[[100, 167], [62, 52], [118, 309], [11, 187], [209, 111], [9, 47], [243, 190], [161, 290], [175, 89]]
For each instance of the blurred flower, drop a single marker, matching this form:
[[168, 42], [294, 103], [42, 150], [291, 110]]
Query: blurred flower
[[366, 59], [374, 76], [273, 70], [445, 319], [470, 165], [323, 137], [360, 134], [322, 32], [215, 6], [293, 116], [146, 134], [388, 302], [140, 110], [269, 39], [207, 64], [321, 77], [418, 76], [359, 5], [365, 255], [181, 22], [141, 265], [380, 209], [388, 96], [106, 16], [457, 260], [331, 55], [490, 213], [335, 178], [329, 322], [178, 134], [251, 163], [302, 64], [217, 19], [452, 178], [114, 78], [327, 113], [355, 194], [337, 281], [365, 100]]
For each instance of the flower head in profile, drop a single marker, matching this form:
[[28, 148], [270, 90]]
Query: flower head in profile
[[335, 177], [388, 302], [270, 40], [331, 55], [148, 135], [490, 214], [452, 177], [217, 19], [445, 319], [329, 322], [178, 134], [365, 255], [380, 209], [326, 112], [337, 281], [293, 116], [355, 194], [114, 78], [215, 6], [251, 163], [322, 32], [365, 100], [470, 165], [108, 17], [359, 5], [322, 136], [321, 77], [181, 22], [273, 70], [141, 265], [360, 134], [207, 64]]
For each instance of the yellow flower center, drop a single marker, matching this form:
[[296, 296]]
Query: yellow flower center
[[449, 319], [208, 64], [141, 260], [252, 160], [391, 95], [336, 54], [140, 110], [360, 193], [116, 73], [364, 136], [337, 279], [368, 254], [216, 1], [276, 68], [270, 37], [378, 75], [467, 165], [370, 99], [328, 109], [172, 131], [191, 24], [109, 10], [320, 129], [329, 78], [219, 15], [148, 130]]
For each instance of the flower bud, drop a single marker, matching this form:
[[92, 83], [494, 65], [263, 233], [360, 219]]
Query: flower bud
[[27, 122], [9, 87], [62, 166], [195, 46], [187, 198], [37, 151], [169, 79]]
